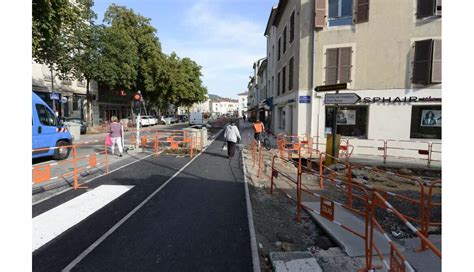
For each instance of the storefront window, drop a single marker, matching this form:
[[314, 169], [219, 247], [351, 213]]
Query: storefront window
[[426, 122], [351, 120]]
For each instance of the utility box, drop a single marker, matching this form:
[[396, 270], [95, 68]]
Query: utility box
[[330, 160], [199, 135], [75, 131]]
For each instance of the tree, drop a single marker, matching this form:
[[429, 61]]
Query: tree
[[148, 48], [52, 25]]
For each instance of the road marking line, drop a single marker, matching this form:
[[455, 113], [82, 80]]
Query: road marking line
[[52, 223], [92, 179], [132, 212], [253, 239]]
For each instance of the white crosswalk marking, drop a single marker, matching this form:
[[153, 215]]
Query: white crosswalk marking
[[52, 223]]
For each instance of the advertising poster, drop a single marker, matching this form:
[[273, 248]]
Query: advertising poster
[[346, 117], [431, 118]]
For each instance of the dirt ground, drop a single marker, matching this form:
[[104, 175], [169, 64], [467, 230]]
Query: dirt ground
[[274, 214], [278, 231]]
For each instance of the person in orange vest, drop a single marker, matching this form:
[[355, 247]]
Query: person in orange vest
[[258, 129]]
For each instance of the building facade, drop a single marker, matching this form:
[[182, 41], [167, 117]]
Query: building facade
[[288, 34], [243, 100], [387, 52], [72, 93], [224, 106]]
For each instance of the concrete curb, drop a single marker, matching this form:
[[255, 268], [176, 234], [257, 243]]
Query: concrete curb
[[253, 239]]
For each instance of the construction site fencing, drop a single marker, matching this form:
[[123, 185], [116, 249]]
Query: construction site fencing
[[312, 162], [397, 261], [48, 172], [176, 142], [379, 149]]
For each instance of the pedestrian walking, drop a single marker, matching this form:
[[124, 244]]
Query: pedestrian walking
[[232, 137], [115, 130], [243, 117]]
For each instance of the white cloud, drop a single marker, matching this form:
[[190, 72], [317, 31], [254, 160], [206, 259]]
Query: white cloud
[[225, 44]]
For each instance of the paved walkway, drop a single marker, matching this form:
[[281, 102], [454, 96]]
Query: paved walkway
[[194, 222]]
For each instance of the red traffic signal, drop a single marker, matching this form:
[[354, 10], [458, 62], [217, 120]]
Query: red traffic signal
[[122, 93]]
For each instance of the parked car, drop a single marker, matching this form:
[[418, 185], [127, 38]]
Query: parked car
[[182, 118], [144, 121], [168, 119], [48, 131], [76, 121], [151, 120]]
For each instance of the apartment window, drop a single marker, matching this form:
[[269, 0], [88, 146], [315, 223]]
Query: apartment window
[[283, 80], [279, 48], [427, 8], [290, 74], [338, 65], [292, 27], [284, 40], [340, 12], [281, 118], [273, 52], [351, 120], [427, 62], [278, 83], [426, 122], [272, 87]]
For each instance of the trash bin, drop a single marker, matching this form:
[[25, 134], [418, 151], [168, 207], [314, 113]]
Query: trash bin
[[75, 130], [200, 134]]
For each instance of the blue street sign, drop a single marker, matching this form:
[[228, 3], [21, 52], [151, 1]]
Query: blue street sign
[[54, 96], [305, 99]]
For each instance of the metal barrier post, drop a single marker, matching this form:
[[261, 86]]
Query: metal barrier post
[[273, 174], [321, 176], [260, 157], [349, 188], [76, 184], [106, 159], [430, 149], [384, 151]]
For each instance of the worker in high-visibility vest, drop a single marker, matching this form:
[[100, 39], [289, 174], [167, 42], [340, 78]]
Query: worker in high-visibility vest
[[258, 128]]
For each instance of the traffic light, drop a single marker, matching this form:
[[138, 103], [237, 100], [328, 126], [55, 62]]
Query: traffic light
[[136, 102]]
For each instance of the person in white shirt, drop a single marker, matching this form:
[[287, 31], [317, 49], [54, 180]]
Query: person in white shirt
[[231, 136]]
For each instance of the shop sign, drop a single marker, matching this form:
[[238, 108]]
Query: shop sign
[[341, 98], [305, 99], [410, 99], [334, 87], [54, 96]]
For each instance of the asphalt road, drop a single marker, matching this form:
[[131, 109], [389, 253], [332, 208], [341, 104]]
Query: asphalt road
[[197, 222]]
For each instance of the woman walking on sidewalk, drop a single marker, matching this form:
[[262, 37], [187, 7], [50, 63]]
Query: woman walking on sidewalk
[[232, 136], [115, 130]]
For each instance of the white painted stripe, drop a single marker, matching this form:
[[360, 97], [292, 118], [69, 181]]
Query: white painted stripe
[[132, 212], [52, 223], [87, 181], [411, 227], [253, 239], [408, 266], [386, 237]]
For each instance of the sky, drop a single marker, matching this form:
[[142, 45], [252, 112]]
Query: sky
[[225, 37]]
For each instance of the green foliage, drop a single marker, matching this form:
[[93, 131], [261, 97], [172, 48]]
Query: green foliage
[[125, 53], [53, 23]]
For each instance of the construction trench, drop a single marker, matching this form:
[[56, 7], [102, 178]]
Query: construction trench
[[396, 226]]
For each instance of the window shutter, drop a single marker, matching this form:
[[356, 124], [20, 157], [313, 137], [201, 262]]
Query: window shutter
[[292, 27], [283, 80], [320, 14], [422, 62], [436, 66], [362, 11], [331, 66], [290, 74], [425, 8], [438, 7], [345, 64]]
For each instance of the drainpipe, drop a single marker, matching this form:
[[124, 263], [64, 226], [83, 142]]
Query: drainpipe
[[311, 70]]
